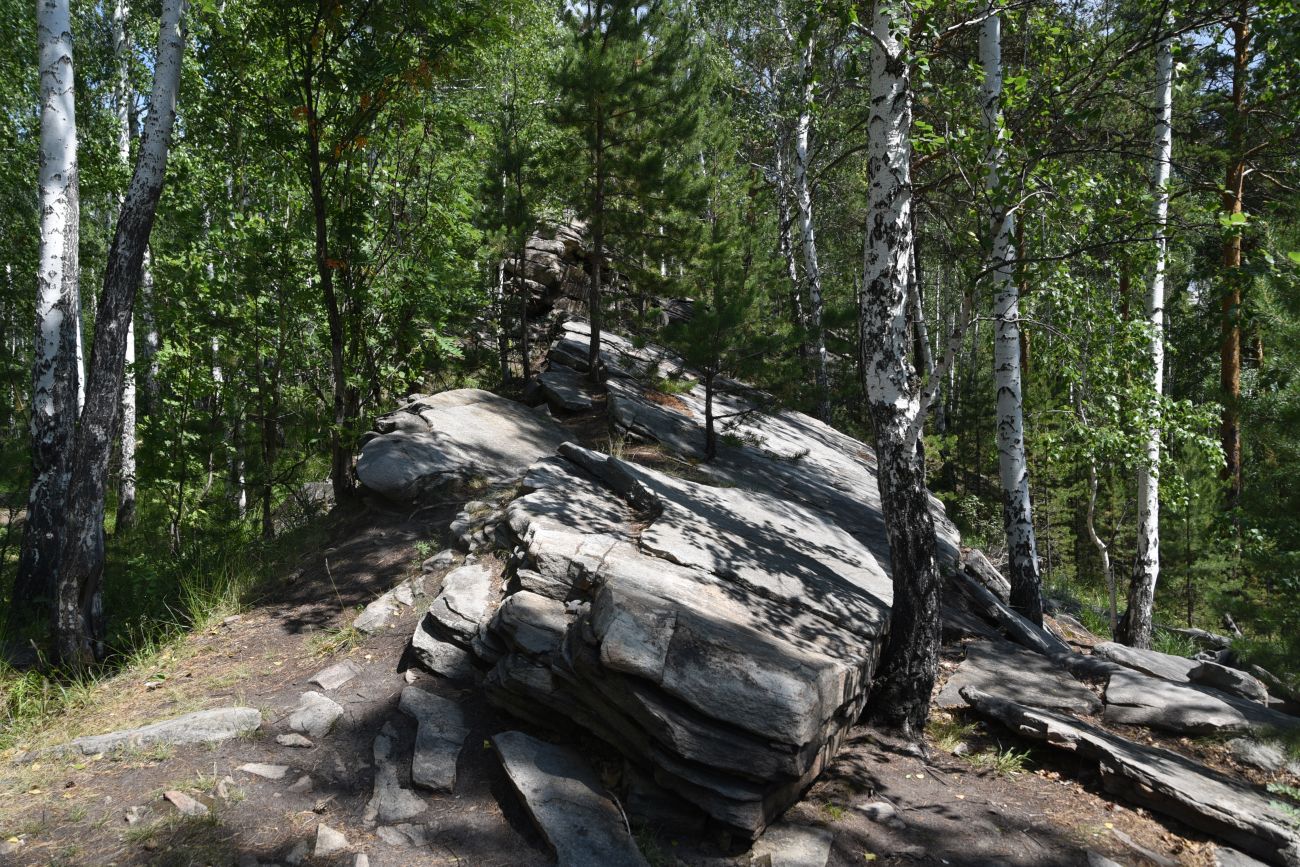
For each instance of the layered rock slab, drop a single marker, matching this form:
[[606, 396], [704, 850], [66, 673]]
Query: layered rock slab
[[1162, 781], [720, 636]]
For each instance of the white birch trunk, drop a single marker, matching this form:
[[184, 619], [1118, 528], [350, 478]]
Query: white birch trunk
[[56, 370], [1022, 549], [803, 196], [126, 490], [785, 241], [79, 618], [1141, 601], [901, 695]]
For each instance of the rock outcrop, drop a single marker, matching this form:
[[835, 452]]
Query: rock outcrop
[[721, 631]]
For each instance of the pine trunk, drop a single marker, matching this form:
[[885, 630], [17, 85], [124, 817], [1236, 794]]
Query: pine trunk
[[79, 616], [597, 255], [1233, 194], [901, 695], [1138, 621], [1017, 516], [56, 370]]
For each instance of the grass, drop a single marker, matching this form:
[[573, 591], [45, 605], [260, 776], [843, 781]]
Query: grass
[[331, 641], [1173, 643], [948, 732], [834, 811], [1008, 762]]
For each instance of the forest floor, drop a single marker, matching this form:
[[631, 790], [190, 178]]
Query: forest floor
[[1004, 802]]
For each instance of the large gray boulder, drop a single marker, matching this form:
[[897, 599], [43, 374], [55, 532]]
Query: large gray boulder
[[468, 434], [721, 636], [1162, 781]]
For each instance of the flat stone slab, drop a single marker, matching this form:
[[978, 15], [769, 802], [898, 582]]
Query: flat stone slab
[[334, 676], [568, 803], [472, 434], [440, 734], [390, 802], [265, 771], [185, 804], [1240, 814], [565, 389], [201, 727], [315, 715], [463, 602], [1136, 699], [1008, 671], [788, 845], [1152, 662]]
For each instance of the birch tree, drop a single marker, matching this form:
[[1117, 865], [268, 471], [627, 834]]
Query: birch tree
[[56, 373], [803, 198], [901, 695], [122, 97], [1136, 629], [79, 625], [1017, 518]]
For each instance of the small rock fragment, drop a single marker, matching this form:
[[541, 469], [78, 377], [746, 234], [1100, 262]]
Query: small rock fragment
[[1097, 860], [334, 676], [390, 802], [883, 813], [135, 814], [293, 739], [405, 835], [302, 786], [1265, 755], [269, 772], [187, 805], [442, 560], [362, 860], [328, 841], [315, 715], [298, 853], [788, 845]]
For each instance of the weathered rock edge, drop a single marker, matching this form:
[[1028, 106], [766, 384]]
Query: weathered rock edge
[[1160, 780]]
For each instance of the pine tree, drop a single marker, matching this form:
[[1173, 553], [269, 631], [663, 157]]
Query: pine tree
[[631, 98]]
